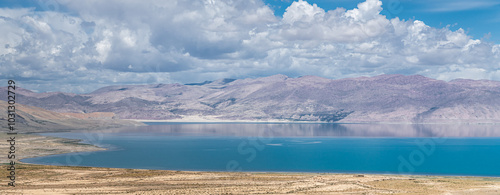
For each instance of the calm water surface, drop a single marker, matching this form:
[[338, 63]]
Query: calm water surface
[[341, 148]]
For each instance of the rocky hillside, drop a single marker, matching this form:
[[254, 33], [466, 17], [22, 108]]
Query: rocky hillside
[[34, 119], [385, 98]]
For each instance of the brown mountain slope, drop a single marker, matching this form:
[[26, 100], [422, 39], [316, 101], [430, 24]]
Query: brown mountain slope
[[34, 119], [383, 98]]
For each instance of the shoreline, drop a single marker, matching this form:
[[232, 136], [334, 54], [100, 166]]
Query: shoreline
[[34, 145], [273, 172], [213, 120], [268, 172]]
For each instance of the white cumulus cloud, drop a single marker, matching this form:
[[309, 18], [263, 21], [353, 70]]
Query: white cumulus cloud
[[136, 42]]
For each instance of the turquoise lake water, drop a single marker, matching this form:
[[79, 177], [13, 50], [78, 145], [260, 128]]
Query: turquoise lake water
[[340, 148]]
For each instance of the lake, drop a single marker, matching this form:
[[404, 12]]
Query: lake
[[469, 150]]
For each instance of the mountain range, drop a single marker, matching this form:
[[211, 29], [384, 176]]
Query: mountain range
[[34, 119], [384, 98]]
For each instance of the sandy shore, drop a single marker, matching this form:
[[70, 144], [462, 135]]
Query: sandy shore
[[32, 145], [42, 179]]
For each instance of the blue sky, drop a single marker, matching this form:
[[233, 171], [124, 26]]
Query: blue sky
[[79, 46]]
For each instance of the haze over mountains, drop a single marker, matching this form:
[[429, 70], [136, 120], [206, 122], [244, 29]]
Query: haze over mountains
[[384, 98]]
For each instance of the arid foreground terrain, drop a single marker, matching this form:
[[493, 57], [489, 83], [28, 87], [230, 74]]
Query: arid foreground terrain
[[40, 179]]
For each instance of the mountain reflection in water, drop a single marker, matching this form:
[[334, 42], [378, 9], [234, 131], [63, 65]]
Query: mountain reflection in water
[[314, 130]]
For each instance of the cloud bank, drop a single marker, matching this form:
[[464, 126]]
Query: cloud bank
[[96, 43]]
